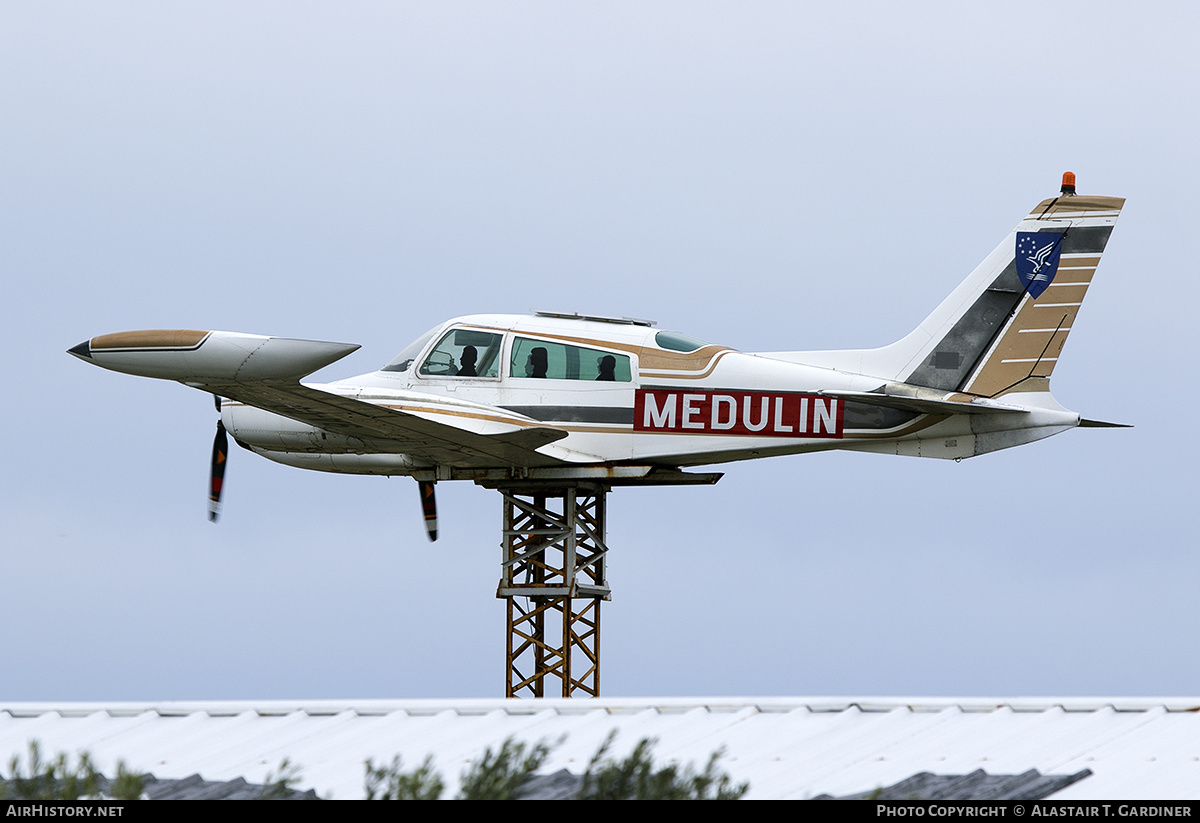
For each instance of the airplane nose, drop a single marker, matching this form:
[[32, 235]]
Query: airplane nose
[[82, 351]]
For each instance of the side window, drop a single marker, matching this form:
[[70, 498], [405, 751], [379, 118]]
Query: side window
[[558, 361], [464, 353]]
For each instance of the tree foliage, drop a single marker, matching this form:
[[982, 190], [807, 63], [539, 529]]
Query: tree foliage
[[58, 779], [635, 778], [501, 775], [497, 775], [281, 783], [391, 783]]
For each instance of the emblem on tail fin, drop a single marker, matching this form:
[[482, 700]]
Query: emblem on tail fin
[[1037, 260]]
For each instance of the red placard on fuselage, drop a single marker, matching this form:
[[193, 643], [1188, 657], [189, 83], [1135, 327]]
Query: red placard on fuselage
[[761, 414]]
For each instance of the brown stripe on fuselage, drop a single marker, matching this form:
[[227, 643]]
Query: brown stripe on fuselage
[[699, 360], [915, 426], [700, 375], [150, 339]]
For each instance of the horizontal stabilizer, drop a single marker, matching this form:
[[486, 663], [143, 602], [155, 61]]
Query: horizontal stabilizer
[[923, 405]]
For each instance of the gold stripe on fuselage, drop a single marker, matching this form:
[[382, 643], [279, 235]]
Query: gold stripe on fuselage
[[149, 339], [675, 375]]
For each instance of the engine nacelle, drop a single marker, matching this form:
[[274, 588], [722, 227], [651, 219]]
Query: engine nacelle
[[255, 428], [384, 464]]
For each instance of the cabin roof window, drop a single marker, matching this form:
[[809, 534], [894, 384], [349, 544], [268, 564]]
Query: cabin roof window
[[675, 341]]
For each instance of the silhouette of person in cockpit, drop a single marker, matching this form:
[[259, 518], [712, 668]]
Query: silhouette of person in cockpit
[[537, 362], [608, 368], [468, 357]]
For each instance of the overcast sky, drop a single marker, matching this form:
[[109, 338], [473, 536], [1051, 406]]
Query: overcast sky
[[764, 175]]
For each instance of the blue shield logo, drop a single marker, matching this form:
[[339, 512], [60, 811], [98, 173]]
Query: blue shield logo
[[1037, 260]]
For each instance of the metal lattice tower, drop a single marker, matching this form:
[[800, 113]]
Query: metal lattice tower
[[553, 577]]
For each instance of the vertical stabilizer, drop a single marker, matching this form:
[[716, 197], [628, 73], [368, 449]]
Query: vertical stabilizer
[[1009, 320]]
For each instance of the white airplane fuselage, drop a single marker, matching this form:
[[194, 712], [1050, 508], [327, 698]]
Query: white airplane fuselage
[[708, 406]]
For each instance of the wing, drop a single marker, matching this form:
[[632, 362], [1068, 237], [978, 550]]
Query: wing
[[264, 372], [399, 423]]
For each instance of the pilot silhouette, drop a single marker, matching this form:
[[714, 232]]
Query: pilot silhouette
[[467, 358], [537, 362], [608, 368]]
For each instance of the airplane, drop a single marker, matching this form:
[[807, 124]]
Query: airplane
[[566, 396]]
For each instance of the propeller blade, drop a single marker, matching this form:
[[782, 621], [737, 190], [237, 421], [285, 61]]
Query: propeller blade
[[220, 453], [429, 507]]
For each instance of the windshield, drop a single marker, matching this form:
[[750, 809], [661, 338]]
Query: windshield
[[405, 359]]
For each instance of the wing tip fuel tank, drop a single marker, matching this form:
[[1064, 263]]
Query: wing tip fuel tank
[[184, 354]]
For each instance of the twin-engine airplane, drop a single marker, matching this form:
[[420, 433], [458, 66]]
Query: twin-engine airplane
[[562, 397]]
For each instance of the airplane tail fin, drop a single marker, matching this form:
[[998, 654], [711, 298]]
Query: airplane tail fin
[[1009, 319], [1004, 326]]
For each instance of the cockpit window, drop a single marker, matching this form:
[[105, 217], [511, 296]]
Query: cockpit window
[[675, 341], [464, 353], [557, 361], [405, 358]]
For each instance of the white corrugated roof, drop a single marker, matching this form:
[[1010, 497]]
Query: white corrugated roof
[[785, 747]]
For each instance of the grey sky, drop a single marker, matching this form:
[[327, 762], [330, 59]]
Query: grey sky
[[763, 175]]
